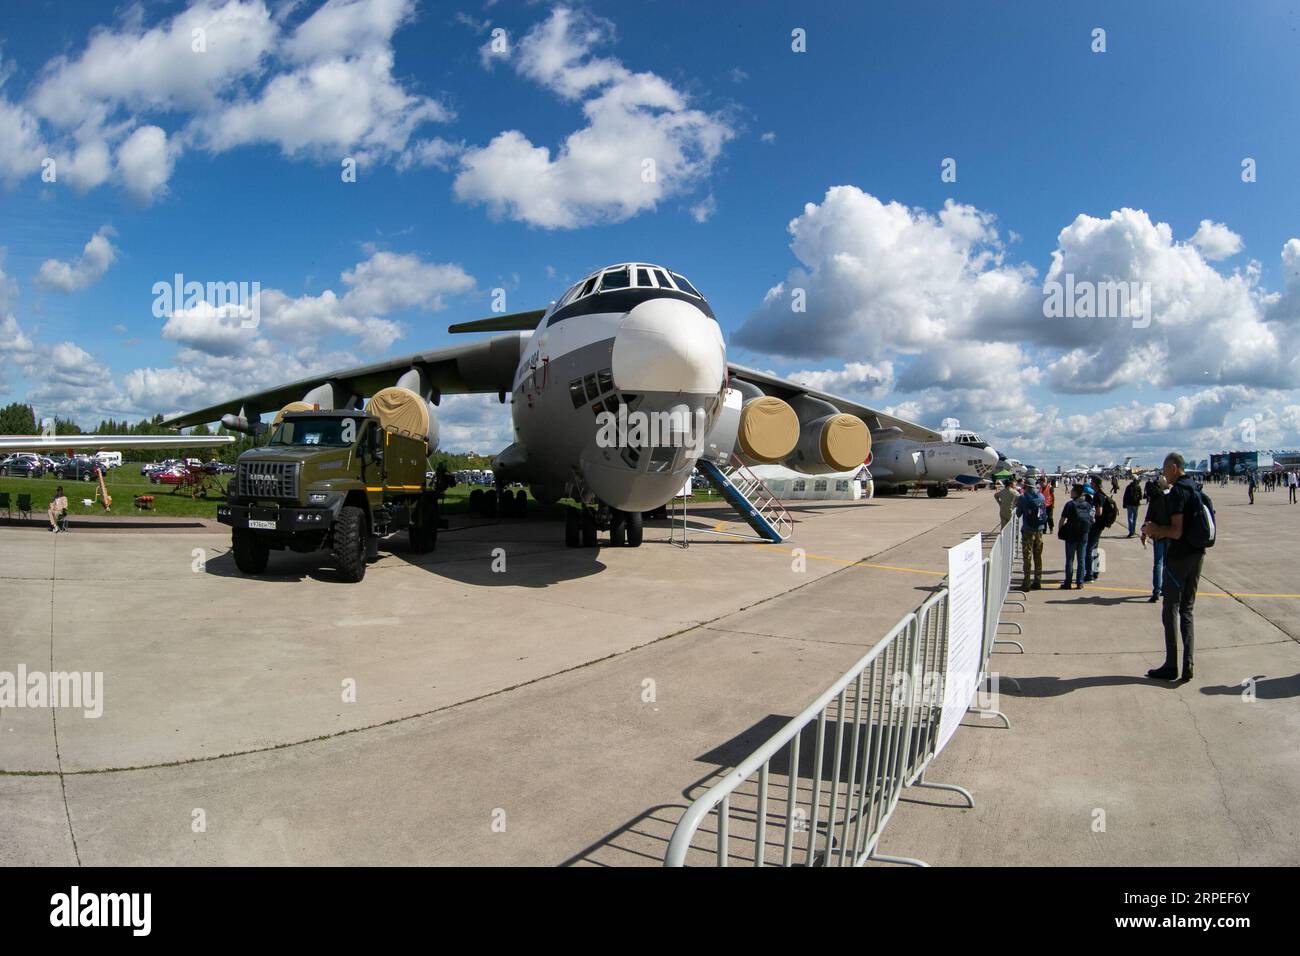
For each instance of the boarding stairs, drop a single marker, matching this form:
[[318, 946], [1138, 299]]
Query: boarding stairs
[[746, 493]]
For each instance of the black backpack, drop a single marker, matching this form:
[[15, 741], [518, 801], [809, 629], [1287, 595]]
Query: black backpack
[[1077, 522], [1198, 520], [1107, 511]]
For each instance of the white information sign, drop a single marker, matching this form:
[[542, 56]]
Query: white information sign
[[965, 634]]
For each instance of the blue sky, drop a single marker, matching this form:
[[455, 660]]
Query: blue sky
[[224, 165]]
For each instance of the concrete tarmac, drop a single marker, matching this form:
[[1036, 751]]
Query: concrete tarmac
[[506, 700]]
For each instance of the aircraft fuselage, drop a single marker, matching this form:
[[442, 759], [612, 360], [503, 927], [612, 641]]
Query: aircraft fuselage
[[644, 344]]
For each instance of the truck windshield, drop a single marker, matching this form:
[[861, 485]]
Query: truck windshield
[[315, 431]]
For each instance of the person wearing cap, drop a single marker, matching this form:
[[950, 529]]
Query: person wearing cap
[[1006, 499], [1033, 519]]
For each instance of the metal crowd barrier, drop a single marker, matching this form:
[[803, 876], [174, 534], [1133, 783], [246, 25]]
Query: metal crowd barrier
[[881, 722]]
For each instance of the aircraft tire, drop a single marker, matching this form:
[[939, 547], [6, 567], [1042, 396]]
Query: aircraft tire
[[350, 544], [251, 552], [635, 529], [588, 528], [490, 502], [572, 528], [941, 492], [476, 500], [617, 528], [521, 503]]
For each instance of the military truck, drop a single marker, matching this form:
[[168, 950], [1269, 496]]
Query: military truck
[[335, 480]]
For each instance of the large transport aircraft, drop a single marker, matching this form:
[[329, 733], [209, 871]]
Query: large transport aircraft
[[629, 338], [897, 463]]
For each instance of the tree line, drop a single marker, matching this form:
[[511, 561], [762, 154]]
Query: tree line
[[20, 419]]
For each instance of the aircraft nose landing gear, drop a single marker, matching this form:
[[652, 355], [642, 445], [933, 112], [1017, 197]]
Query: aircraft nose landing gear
[[626, 528]]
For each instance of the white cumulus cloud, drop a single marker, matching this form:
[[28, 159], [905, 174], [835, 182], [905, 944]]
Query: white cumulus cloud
[[642, 142], [87, 269]]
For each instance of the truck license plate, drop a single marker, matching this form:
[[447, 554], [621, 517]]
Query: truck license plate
[[264, 525]]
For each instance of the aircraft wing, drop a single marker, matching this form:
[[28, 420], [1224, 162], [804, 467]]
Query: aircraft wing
[[874, 419], [486, 365], [49, 443]]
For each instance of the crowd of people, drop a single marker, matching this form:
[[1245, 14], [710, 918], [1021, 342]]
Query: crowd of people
[[1179, 523], [1269, 481]]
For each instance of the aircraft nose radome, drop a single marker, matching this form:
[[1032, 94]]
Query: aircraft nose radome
[[666, 345]]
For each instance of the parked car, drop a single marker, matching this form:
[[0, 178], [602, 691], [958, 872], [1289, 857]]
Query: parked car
[[22, 466], [80, 468], [169, 476]]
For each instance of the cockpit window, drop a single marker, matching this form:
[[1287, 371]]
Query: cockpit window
[[661, 278], [615, 279], [570, 295], [643, 278], [588, 286], [685, 286]]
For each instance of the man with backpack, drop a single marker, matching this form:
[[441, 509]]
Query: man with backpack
[[1033, 519], [1073, 528], [1105, 512], [1190, 531], [1132, 501]]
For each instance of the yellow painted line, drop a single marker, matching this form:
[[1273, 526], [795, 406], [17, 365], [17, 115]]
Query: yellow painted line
[[1088, 587], [890, 567], [860, 564]]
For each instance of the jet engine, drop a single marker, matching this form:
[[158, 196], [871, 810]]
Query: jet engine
[[829, 440], [757, 428]]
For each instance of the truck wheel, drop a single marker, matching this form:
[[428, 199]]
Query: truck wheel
[[635, 529], [350, 543], [617, 528], [251, 551], [572, 528]]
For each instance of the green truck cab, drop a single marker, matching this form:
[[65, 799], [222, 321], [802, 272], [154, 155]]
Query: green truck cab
[[329, 480]]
